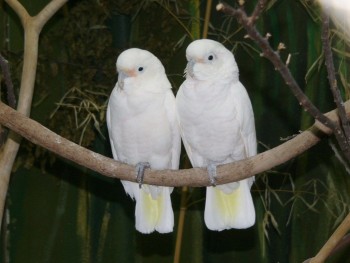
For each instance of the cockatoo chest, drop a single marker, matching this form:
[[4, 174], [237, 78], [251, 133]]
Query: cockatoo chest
[[211, 124], [141, 128]]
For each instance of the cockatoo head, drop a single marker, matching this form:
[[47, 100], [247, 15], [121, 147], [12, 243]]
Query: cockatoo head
[[137, 68], [210, 60]]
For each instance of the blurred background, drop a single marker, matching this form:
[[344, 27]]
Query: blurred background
[[57, 211]]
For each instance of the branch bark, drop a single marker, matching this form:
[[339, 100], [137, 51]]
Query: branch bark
[[195, 177], [259, 8], [32, 28], [19, 9]]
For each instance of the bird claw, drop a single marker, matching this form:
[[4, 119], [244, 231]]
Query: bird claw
[[211, 168], [140, 172]]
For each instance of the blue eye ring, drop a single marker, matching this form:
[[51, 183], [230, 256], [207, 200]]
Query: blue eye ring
[[140, 69]]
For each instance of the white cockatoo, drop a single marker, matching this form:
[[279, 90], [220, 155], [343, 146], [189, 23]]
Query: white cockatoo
[[144, 131], [217, 127]]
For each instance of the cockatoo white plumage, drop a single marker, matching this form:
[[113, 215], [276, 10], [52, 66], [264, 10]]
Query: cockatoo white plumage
[[143, 128], [217, 127]]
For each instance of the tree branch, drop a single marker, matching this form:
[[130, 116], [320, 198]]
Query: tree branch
[[340, 128], [259, 8], [332, 79], [332, 242], [279, 65], [195, 177], [207, 18], [19, 9], [32, 27], [274, 57], [49, 10], [342, 244]]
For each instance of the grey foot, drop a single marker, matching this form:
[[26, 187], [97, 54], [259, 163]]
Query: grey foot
[[140, 172], [211, 168]]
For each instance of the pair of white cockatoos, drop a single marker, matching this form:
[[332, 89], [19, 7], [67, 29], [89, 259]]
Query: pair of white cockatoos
[[213, 115]]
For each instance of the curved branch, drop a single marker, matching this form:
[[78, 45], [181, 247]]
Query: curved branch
[[195, 177]]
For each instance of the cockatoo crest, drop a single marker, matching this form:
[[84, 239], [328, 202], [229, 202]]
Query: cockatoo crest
[[210, 60], [139, 69]]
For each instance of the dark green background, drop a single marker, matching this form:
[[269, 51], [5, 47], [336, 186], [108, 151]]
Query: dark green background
[[59, 212]]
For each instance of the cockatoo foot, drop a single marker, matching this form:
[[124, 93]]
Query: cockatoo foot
[[140, 172], [211, 168]]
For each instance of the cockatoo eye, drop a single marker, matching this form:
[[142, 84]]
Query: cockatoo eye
[[210, 57], [140, 69]]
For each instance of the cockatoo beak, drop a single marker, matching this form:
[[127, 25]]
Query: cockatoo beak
[[123, 74], [190, 65], [189, 68], [121, 77]]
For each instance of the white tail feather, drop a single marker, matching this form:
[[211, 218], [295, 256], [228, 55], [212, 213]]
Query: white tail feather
[[154, 214], [225, 211]]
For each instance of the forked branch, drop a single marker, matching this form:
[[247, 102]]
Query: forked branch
[[32, 27]]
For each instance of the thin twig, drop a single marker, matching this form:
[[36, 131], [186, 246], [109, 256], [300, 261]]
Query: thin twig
[[177, 19], [332, 79], [279, 65], [207, 19], [259, 8], [11, 99], [273, 56]]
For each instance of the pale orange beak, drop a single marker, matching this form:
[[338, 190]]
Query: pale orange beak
[[123, 74]]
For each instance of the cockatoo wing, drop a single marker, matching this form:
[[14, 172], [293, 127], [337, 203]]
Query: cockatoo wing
[[181, 107], [129, 187], [229, 206], [170, 107], [245, 116], [153, 207]]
